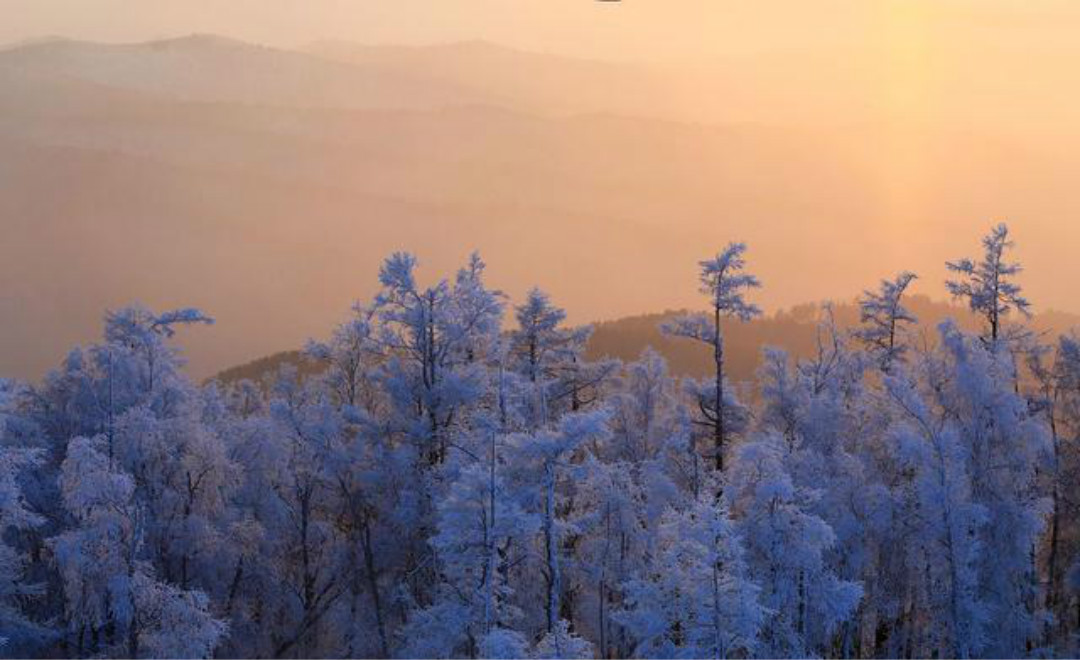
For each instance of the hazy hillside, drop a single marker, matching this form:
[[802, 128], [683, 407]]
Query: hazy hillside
[[211, 68], [265, 369], [796, 330], [266, 186], [534, 81]]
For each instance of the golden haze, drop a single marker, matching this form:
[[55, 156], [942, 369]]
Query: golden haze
[[843, 140]]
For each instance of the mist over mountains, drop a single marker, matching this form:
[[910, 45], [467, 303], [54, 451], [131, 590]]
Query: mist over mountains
[[265, 185], [214, 69]]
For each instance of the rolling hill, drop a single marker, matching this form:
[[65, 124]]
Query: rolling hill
[[796, 330]]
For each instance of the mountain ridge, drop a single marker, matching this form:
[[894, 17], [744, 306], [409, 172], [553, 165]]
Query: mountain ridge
[[793, 329], [456, 73]]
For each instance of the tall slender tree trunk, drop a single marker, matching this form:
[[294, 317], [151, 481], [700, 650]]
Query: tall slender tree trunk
[[602, 617], [373, 586], [551, 549], [1052, 558], [234, 587], [801, 622], [133, 628], [308, 575], [718, 357], [718, 650]]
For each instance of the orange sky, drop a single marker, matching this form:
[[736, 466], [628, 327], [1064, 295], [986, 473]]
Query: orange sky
[[889, 87]]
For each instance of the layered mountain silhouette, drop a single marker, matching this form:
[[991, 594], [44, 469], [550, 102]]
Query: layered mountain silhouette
[[209, 68], [265, 186]]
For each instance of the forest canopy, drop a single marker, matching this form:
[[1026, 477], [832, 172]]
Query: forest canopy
[[461, 477]]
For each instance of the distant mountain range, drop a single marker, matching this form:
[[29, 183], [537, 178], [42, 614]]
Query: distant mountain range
[[265, 186], [213, 69]]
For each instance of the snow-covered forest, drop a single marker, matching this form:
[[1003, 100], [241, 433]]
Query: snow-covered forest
[[461, 482]]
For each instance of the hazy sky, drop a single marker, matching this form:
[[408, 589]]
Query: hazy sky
[[890, 87], [1009, 64], [631, 29]]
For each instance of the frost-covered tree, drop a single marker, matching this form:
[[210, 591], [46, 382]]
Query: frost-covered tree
[[1055, 398], [1007, 446], [975, 448], [987, 285], [429, 356], [351, 357], [725, 283], [696, 599], [127, 505], [551, 358], [174, 623], [18, 634], [883, 316], [946, 544], [613, 521], [548, 452], [484, 528], [645, 410], [482, 525], [829, 423], [786, 550], [433, 340], [114, 601], [540, 343], [1072, 581], [440, 488], [364, 471], [97, 559], [562, 643], [135, 365], [307, 546], [622, 489]]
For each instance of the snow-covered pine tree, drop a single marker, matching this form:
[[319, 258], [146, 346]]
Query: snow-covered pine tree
[[725, 283], [987, 285], [883, 318]]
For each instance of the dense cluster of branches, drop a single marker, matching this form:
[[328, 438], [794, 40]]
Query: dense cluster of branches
[[451, 486]]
